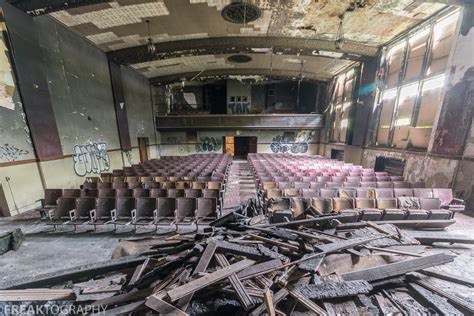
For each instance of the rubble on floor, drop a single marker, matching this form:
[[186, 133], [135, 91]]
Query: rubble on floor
[[11, 240], [243, 264]]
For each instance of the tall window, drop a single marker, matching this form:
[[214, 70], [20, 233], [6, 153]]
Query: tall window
[[415, 78]]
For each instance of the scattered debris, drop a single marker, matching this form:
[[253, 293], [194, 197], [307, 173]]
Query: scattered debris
[[11, 240]]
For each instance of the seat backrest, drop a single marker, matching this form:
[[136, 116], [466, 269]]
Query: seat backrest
[[175, 193], [103, 207], [88, 185], [124, 206], [84, 206], [327, 193], [397, 192], [347, 192], [193, 193], [382, 178], [139, 192], [351, 184], [134, 185], [322, 205], [165, 206], [365, 203], [400, 184], [365, 192], [107, 192], [74, 193], [384, 193], [156, 193], [367, 179], [285, 185], [365, 184], [385, 203], [301, 185], [145, 206], [317, 185], [64, 205], [119, 185], [342, 203], [122, 193], [430, 204], [151, 185], [308, 179], [168, 185], [206, 207], [385, 185], [104, 185], [291, 192], [423, 193], [417, 184], [353, 179], [211, 193], [185, 207], [51, 196], [273, 193], [309, 193]]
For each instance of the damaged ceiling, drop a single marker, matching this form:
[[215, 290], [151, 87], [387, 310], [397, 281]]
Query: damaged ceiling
[[119, 28]]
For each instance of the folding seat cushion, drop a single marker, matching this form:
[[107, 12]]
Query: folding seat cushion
[[131, 179], [381, 174], [398, 192], [408, 202], [393, 215], [387, 203], [182, 185], [417, 215], [323, 178], [423, 193], [291, 192], [448, 201], [146, 179], [384, 193], [365, 184], [285, 185], [440, 214], [347, 192], [322, 205], [334, 184], [365, 193], [366, 203], [384, 185], [417, 184], [317, 185], [400, 184], [371, 215], [273, 193], [342, 203], [351, 184], [301, 185], [328, 192], [309, 193], [350, 216], [298, 207]]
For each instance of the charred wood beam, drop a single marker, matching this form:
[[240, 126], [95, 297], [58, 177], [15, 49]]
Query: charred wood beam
[[40, 7]]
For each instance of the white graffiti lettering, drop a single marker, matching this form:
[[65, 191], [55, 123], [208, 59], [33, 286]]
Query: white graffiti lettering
[[90, 158], [11, 153]]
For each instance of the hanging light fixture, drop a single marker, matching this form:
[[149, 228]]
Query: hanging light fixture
[[150, 46]]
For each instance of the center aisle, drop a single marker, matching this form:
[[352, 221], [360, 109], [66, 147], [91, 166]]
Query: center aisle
[[240, 184]]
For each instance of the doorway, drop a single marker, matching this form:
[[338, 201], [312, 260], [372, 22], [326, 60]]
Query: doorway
[[244, 146], [142, 148]]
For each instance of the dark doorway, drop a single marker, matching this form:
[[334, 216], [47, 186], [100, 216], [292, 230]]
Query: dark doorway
[[337, 154], [142, 148], [244, 146], [394, 166]]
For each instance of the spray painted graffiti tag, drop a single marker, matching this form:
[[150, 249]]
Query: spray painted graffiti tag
[[209, 144], [289, 143], [90, 158], [11, 153]]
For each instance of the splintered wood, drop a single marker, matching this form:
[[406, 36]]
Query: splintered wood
[[311, 266]]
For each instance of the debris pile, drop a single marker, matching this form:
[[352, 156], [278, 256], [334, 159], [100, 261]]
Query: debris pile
[[245, 265]]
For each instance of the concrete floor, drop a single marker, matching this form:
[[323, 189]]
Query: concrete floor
[[46, 252]]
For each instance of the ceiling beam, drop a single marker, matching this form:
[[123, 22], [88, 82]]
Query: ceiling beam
[[235, 45], [449, 2], [40, 7], [225, 73]]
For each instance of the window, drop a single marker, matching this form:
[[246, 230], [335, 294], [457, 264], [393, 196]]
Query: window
[[402, 120], [395, 62], [443, 33], [417, 49], [388, 106]]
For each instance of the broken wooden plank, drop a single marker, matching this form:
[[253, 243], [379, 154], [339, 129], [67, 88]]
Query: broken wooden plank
[[311, 265], [277, 297], [429, 238], [455, 300], [208, 279], [274, 242], [139, 272], [439, 303], [449, 277], [156, 303], [244, 297], [306, 302], [247, 251], [259, 269], [72, 274], [398, 252], [268, 299], [413, 224], [346, 244], [124, 298], [321, 219], [398, 268], [328, 290], [36, 295]]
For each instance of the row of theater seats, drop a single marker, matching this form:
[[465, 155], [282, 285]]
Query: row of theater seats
[[155, 185], [319, 185], [297, 177], [442, 196], [373, 209], [105, 178], [132, 211]]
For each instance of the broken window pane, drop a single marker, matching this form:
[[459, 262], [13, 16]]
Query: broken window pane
[[443, 34], [402, 120], [395, 62], [388, 105], [417, 50]]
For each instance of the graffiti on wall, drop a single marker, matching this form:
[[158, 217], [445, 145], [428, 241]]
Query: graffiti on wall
[[11, 153], [128, 155], [291, 143], [91, 157], [209, 144]]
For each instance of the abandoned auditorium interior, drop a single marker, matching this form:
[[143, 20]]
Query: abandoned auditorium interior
[[240, 157]]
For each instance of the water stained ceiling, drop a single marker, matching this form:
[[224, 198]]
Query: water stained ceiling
[[195, 35]]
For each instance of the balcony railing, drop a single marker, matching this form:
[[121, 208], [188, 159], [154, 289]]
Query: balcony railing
[[248, 121]]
